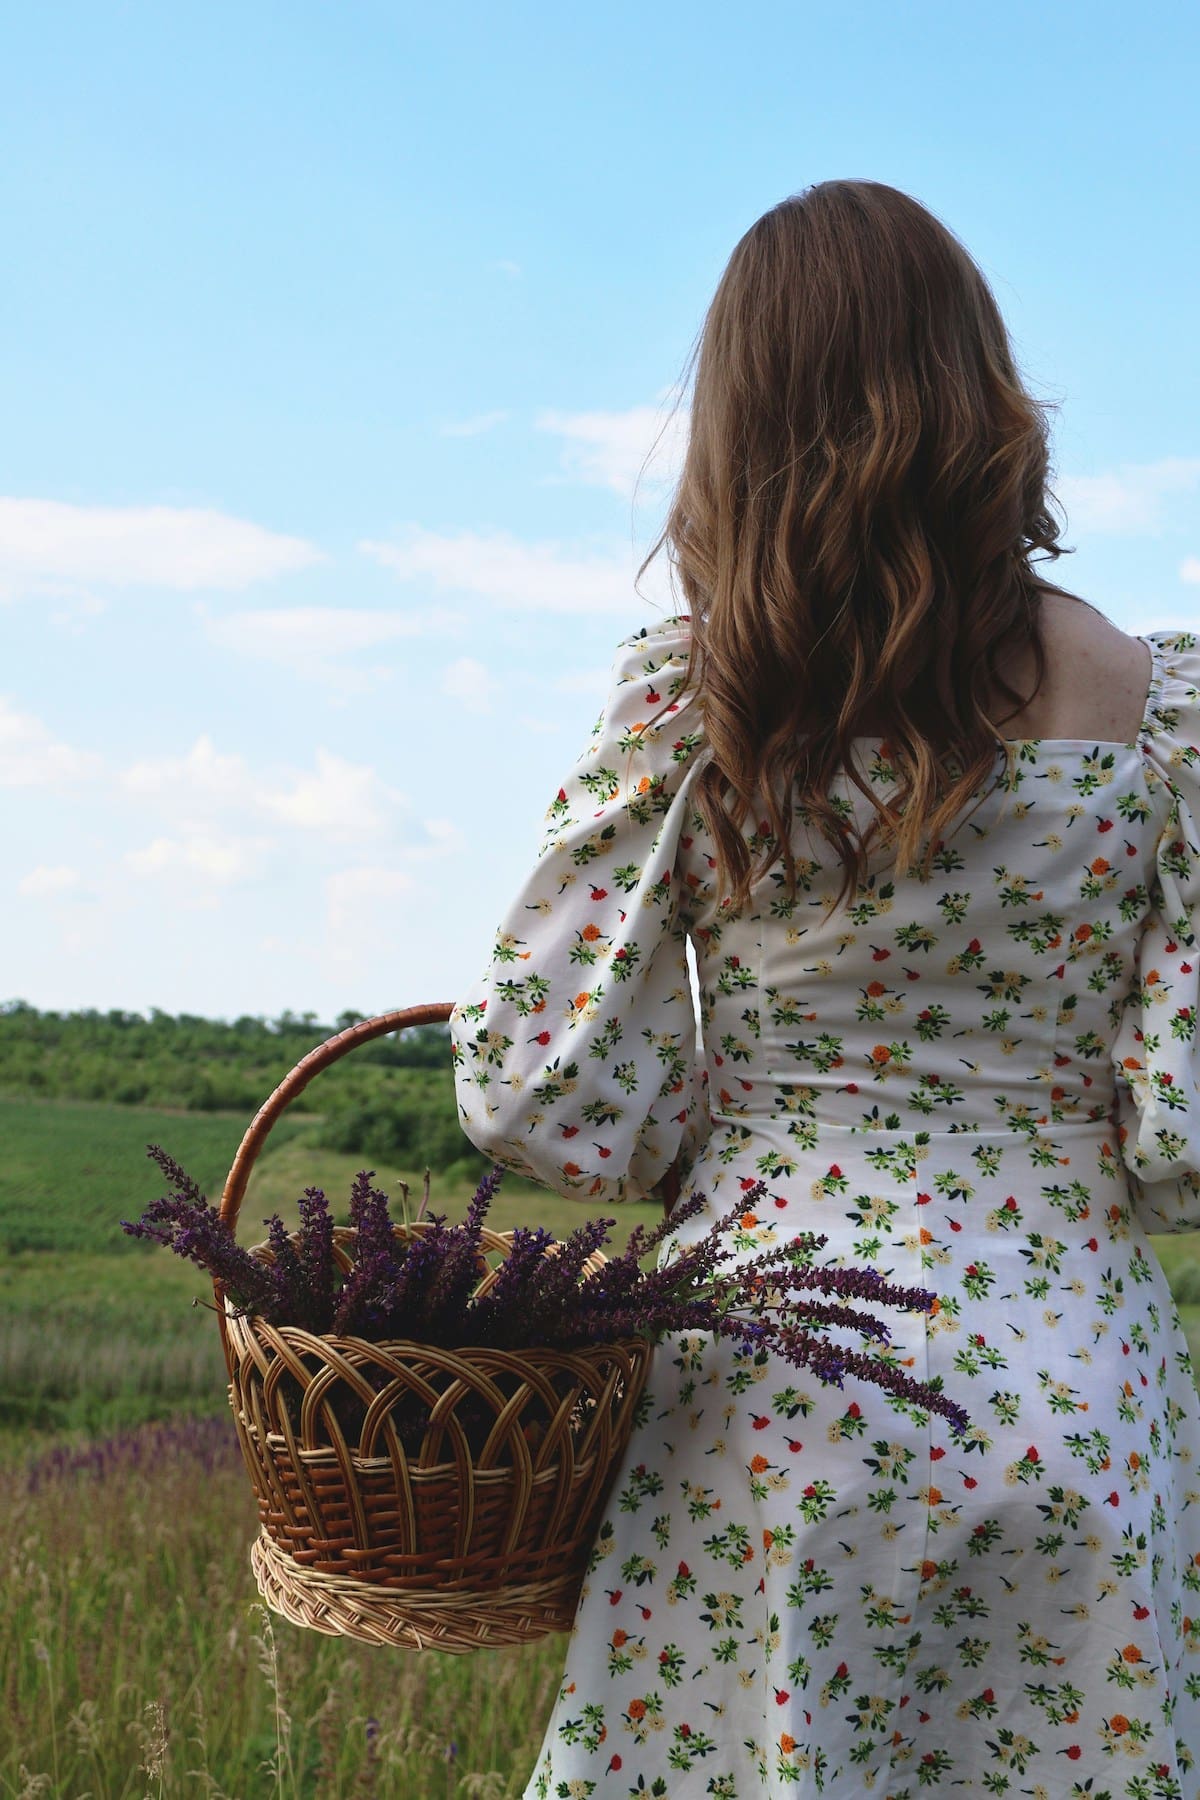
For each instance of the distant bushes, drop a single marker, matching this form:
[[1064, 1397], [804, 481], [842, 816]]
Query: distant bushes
[[390, 1100], [204, 1065], [411, 1119]]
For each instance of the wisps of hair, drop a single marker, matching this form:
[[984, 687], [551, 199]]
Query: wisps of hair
[[864, 485]]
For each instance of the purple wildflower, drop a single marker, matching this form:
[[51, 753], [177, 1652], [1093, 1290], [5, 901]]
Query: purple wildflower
[[458, 1271], [316, 1256], [186, 1223], [360, 1306], [293, 1297]]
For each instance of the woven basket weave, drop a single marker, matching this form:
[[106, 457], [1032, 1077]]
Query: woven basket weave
[[412, 1495]]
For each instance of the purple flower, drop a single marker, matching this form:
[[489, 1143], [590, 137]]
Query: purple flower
[[316, 1255], [189, 1225]]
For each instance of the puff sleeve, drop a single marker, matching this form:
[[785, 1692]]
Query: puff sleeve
[[575, 1052], [1156, 1052]]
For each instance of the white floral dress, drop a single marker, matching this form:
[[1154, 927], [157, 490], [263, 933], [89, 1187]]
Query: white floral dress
[[983, 1084]]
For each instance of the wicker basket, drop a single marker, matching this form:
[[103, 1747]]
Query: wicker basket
[[410, 1495]]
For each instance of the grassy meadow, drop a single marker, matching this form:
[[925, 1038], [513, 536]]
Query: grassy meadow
[[135, 1658]]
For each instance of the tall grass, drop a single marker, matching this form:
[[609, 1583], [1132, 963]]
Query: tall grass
[[138, 1659]]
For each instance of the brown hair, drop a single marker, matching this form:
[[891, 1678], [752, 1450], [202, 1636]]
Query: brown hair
[[864, 483]]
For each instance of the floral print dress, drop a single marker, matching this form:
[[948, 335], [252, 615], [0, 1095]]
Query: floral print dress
[[981, 1083]]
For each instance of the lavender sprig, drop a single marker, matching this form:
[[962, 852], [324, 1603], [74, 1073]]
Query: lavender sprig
[[316, 1256], [422, 1286], [458, 1273], [294, 1299], [187, 1223], [360, 1306]]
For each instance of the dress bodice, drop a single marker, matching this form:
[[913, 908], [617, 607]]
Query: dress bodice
[[1045, 970]]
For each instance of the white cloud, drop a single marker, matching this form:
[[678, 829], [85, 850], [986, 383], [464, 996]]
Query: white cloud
[[203, 774], [473, 427], [45, 543], [471, 683], [607, 449], [342, 799], [31, 757], [1130, 499], [222, 860], [47, 880], [309, 640], [498, 567], [1190, 569], [335, 800], [507, 267], [367, 905]]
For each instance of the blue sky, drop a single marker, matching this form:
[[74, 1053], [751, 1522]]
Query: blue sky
[[331, 339]]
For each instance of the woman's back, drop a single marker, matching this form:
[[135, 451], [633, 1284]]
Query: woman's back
[[997, 981], [979, 1082]]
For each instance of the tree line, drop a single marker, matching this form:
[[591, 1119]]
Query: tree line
[[392, 1099]]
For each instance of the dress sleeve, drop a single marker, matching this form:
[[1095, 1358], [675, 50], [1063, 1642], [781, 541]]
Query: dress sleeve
[[1155, 1051], [575, 1052]]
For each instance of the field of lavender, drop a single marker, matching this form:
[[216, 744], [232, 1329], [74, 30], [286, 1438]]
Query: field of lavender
[[135, 1659]]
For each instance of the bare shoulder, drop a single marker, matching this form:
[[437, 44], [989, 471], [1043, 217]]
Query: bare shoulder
[[1097, 676]]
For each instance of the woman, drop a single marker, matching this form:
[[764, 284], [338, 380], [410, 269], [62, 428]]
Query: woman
[[928, 822]]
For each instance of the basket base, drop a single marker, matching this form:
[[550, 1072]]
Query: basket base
[[426, 1620]]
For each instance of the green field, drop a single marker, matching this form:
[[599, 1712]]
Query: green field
[[136, 1659]]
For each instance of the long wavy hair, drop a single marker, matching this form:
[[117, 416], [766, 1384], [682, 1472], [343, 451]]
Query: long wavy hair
[[864, 484]]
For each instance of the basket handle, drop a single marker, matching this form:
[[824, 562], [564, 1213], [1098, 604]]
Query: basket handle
[[436, 1013]]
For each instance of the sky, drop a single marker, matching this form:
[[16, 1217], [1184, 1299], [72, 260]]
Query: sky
[[332, 340]]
